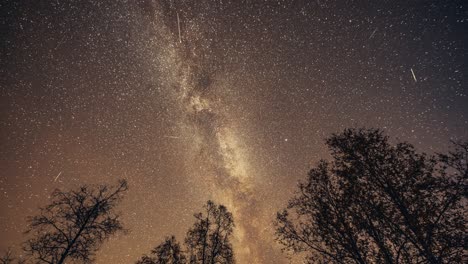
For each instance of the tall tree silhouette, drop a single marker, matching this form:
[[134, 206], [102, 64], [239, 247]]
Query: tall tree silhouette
[[75, 223], [169, 252], [379, 203], [208, 241]]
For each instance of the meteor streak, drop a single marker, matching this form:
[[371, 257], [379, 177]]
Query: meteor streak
[[373, 33], [178, 27], [171, 137], [414, 76], [57, 176]]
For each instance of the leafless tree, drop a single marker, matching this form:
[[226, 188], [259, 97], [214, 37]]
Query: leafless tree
[[208, 241], [75, 223], [7, 257], [168, 252]]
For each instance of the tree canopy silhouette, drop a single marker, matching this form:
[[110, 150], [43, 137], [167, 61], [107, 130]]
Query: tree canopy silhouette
[[75, 223], [169, 252], [207, 242], [379, 203], [8, 258]]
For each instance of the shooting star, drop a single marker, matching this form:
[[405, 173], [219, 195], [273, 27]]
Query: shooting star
[[373, 33], [60, 42], [414, 76], [171, 137], [57, 176], [178, 27]]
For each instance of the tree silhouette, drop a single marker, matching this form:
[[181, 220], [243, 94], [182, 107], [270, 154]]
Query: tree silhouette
[[208, 241], [379, 203], [75, 223], [8, 258], [169, 252]]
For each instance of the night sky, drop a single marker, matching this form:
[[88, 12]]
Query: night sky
[[225, 100]]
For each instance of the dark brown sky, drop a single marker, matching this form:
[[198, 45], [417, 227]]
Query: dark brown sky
[[235, 110]]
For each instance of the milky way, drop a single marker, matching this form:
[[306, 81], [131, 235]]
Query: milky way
[[213, 142], [222, 100]]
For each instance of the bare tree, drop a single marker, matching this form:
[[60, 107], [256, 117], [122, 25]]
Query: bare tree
[[208, 241], [75, 223], [169, 252], [7, 257], [379, 203]]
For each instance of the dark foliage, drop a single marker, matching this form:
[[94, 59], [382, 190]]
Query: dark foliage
[[379, 203], [169, 252]]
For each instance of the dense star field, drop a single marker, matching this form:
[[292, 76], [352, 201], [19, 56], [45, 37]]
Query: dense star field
[[224, 100]]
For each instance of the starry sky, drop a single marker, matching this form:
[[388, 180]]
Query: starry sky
[[229, 100]]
